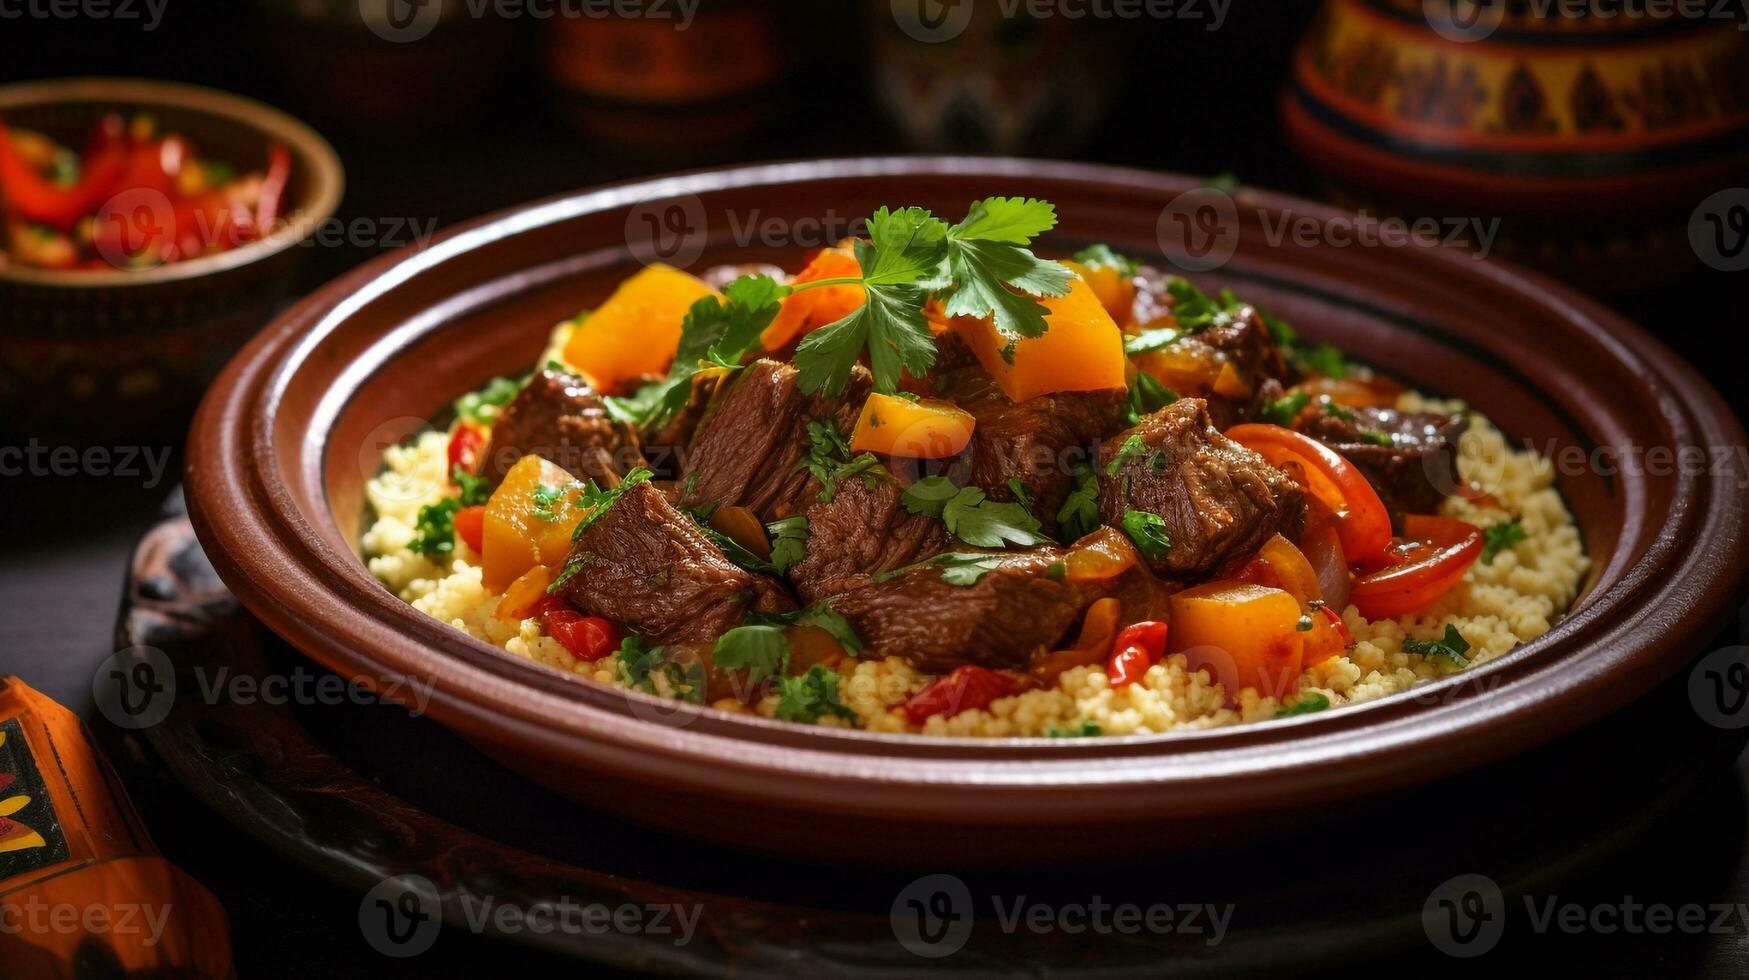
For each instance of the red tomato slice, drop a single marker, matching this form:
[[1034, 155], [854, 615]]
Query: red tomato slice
[[1363, 523], [1436, 553], [585, 637], [966, 688]]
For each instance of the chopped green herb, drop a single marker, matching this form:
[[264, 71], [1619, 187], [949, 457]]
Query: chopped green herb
[[821, 615], [1306, 705], [1303, 624], [731, 549], [973, 517], [1131, 448], [435, 529], [1376, 437], [1086, 729], [1335, 409], [961, 568], [1500, 536], [1285, 409], [550, 503], [762, 649], [1022, 495], [828, 458], [476, 490], [482, 406], [1151, 340], [1452, 646], [789, 542], [1103, 257], [598, 501], [811, 695], [1148, 531], [1321, 359], [1079, 515], [218, 173], [1279, 331]]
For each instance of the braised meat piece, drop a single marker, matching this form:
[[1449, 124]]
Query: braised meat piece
[[1015, 611], [1038, 442], [749, 447], [647, 567], [666, 445], [1219, 500], [1410, 458], [560, 418], [863, 530]]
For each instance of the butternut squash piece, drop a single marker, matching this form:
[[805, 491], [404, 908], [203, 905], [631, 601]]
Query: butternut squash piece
[[1244, 635], [926, 429], [637, 330], [1115, 289], [524, 594], [517, 535], [1082, 350]]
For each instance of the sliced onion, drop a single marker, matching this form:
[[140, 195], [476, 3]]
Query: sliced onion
[[1322, 547]]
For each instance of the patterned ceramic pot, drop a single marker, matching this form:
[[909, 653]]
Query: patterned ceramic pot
[[90, 355], [1595, 136]]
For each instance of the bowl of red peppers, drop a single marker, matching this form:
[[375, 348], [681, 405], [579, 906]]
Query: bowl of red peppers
[[146, 230]]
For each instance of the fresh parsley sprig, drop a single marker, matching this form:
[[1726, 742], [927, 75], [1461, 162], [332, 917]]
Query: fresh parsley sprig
[[971, 516]]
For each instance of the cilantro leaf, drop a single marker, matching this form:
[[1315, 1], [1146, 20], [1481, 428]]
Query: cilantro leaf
[[961, 568], [715, 331], [1500, 536], [821, 615], [815, 693], [1079, 515], [1321, 359], [1102, 256], [482, 406], [1148, 531], [733, 550], [828, 461], [1452, 646], [789, 542], [598, 501], [1147, 396], [1131, 448], [971, 516], [762, 649], [1152, 340]]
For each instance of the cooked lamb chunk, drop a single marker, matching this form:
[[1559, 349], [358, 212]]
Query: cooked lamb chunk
[[1021, 608], [1415, 471], [1220, 501], [863, 530], [646, 567], [748, 449], [560, 418]]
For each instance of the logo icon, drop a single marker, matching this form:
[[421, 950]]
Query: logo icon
[[1199, 230], [135, 688], [1718, 687], [401, 916], [1465, 916], [672, 230], [932, 21], [1464, 21], [1719, 230], [932, 916], [401, 21]]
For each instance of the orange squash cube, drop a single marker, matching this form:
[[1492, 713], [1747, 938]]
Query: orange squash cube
[[637, 330], [1244, 635], [517, 537], [926, 429], [1082, 350]]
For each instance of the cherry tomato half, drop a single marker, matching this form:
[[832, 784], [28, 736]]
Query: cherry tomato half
[[1136, 649], [1426, 564], [1364, 525], [585, 637]]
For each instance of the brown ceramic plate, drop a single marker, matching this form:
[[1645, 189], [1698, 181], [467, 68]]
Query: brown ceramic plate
[[287, 438]]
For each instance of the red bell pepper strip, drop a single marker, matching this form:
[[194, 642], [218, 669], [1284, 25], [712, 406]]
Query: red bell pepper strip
[[967, 688], [273, 187], [1136, 648], [1363, 523], [1432, 558], [35, 198]]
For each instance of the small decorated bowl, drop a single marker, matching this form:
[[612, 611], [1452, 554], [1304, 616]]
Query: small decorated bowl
[[1595, 141], [106, 353]]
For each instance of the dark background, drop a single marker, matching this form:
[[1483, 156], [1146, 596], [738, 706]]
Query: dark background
[[1190, 101]]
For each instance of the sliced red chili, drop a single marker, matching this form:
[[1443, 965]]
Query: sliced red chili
[[34, 197], [1136, 648], [967, 688]]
